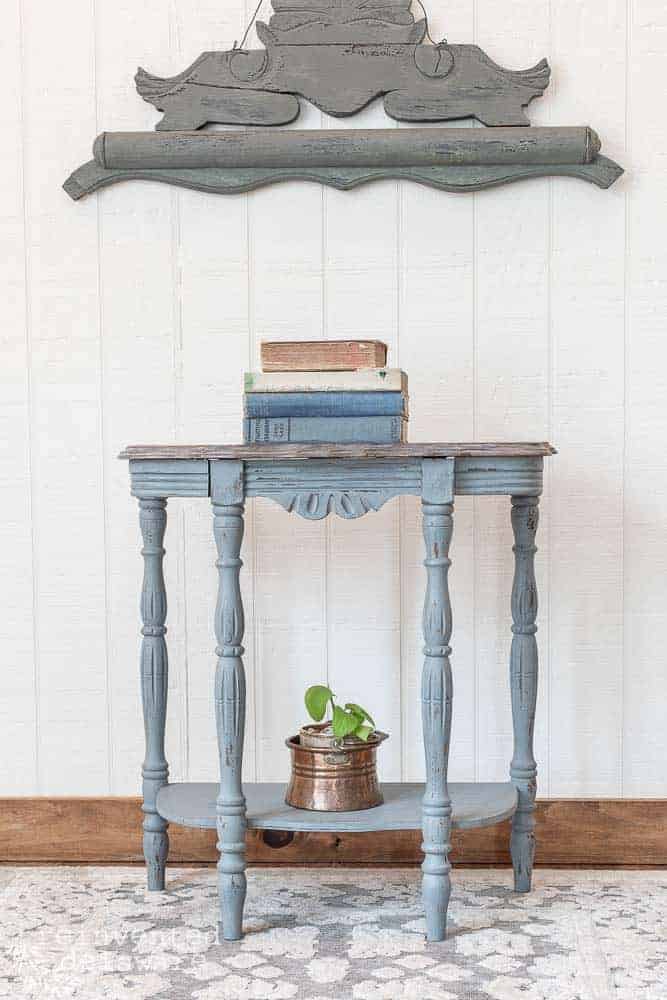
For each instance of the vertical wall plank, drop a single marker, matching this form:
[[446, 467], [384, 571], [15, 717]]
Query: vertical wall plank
[[68, 509], [286, 302], [364, 631], [290, 628], [139, 329], [644, 738], [360, 241], [511, 387], [588, 416], [212, 285], [18, 722], [435, 284]]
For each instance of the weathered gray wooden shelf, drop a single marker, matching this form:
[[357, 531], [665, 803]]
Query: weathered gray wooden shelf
[[314, 481], [341, 57], [473, 804], [452, 159]]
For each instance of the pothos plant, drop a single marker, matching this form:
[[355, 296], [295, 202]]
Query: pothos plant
[[353, 720]]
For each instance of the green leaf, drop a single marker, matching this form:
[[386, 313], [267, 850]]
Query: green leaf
[[344, 723], [317, 698], [363, 732], [361, 712]]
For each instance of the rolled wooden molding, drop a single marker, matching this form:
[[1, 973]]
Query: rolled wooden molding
[[378, 148]]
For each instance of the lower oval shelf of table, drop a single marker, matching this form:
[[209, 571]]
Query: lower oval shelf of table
[[473, 803]]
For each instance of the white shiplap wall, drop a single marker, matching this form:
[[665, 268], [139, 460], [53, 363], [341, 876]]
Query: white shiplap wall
[[534, 311]]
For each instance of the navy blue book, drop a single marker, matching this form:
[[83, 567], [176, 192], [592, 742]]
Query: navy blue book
[[334, 430], [325, 404]]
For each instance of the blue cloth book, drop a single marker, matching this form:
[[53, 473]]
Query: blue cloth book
[[334, 430], [325, 404]]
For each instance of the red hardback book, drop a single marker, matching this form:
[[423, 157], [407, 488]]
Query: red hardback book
[[322, 355]]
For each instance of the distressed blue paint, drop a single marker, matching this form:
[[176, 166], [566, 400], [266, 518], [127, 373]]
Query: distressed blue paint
[[523, 684], [154, 681], [169, 478], [314, 486], [438, 480], [474, 804], [518, 476], [314, 489], [230, 691], [436, 696]]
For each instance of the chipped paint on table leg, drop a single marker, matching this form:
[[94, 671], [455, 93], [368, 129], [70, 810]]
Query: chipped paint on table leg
[[523, 681], [154, 682], [230, 719], [436, 717]]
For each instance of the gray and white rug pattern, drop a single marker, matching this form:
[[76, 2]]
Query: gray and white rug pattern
[[88, 933]]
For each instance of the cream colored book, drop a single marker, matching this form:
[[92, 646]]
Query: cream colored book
[[363, 380]]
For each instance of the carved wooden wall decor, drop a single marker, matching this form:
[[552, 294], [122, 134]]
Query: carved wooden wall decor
[[340, 55]]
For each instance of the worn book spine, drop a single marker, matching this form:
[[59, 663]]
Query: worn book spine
[[363, 380], [322, 355], [325, 404], [337, 430]]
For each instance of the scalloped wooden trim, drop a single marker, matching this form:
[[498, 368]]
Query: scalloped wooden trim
[[603, 172]]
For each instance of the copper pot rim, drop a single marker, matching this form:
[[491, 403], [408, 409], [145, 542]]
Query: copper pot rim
[[349, 744]]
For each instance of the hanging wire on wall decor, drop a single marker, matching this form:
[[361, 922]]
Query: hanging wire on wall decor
[[249, 26], [252, 20], [339, 56]]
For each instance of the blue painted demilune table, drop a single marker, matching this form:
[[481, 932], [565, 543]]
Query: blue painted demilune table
[[349, 480]]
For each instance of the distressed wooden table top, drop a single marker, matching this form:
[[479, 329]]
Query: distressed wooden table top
[[289, 452]]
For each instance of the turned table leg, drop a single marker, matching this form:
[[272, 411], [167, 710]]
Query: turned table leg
[[230, 718], [154, 677], [436, 717], [523, 682]]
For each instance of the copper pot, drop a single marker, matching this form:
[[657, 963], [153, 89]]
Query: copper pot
[[332, 775]]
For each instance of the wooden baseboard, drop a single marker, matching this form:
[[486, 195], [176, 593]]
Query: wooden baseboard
[[570, 832]]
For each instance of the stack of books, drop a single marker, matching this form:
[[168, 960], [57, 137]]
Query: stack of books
[[325, 391]]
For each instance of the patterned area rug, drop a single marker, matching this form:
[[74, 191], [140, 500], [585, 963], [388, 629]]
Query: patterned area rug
[[89, 933]]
